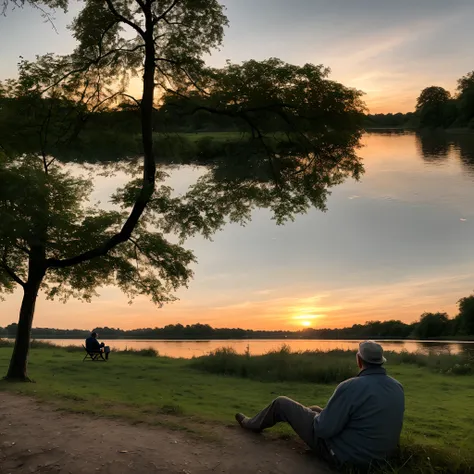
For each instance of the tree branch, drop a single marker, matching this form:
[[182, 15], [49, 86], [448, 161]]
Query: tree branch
[[124, 19], [132, 98], [91, 63], [11, 273], [142, 5], [22, 248], [163, 15], [149, 168]]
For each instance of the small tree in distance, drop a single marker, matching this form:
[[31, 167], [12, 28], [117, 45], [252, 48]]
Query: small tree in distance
[[432, 325], [305, 131]]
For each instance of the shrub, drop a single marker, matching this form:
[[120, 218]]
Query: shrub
[[72, 348], [36, 344], [150, 352], [460, 369], [6, 343]]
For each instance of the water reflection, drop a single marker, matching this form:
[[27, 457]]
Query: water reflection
[[464, 146], [187, 349], [437, 147], [434, 148]]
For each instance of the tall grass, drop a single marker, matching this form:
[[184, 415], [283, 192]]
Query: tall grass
[[316, 366], [280, 365], [149, 352]]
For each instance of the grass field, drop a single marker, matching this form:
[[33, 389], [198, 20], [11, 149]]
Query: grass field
[[438, 423]]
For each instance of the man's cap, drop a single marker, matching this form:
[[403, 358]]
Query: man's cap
[[371, 352], [94, 334]]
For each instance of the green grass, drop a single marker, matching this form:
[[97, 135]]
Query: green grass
[[438, 421], [316, 366]]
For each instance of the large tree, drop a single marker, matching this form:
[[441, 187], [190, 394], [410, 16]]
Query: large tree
[[466, 98], [435, 107], [303, 134], [466, 315]]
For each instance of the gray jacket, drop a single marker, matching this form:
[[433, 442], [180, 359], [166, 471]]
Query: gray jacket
[[363, 419]]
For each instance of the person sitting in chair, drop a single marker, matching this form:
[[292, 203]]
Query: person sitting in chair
[[93, 345]]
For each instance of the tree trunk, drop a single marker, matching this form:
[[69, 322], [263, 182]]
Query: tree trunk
[[147, 104], [19, 361]]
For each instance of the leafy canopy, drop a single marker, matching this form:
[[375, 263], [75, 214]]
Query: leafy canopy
[[466, 97], [432, 95], [466, 315], [435, 107], [51, 209]]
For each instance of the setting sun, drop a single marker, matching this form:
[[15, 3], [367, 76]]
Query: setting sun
[[307, 320]]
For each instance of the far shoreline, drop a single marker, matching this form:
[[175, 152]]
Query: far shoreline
[[447, 339]]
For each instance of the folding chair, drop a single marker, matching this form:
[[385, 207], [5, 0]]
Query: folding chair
[[94, 356]]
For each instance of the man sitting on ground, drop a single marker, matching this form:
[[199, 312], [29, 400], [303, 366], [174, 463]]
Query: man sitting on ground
[[93, 345], [361, 423]]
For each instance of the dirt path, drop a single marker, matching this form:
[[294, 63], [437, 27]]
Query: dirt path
[[34, 438]]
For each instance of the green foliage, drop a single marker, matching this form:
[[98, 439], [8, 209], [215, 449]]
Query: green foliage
[[182, 32], [150, 352], [435, 107], [432, 325], [49, 209], [432, 95], [466, 315], [280, 365], [303, 132], [44, 110], [316, 366], [466, 97]]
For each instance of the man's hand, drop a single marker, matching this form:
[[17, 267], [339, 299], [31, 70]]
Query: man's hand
[[316, 409]]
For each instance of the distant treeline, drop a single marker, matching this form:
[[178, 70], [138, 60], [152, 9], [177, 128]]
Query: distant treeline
[[429, 326], [435, 108], [399, 120], [395, 329]]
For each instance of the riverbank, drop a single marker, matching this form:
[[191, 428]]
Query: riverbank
[[138, 387], [188, 348]]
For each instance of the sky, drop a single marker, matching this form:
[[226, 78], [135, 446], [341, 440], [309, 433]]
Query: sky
[[390, 49]]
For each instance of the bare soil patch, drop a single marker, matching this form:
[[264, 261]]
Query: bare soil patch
[[36, 438]]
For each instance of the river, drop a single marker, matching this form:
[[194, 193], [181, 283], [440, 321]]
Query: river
[[187, 349]]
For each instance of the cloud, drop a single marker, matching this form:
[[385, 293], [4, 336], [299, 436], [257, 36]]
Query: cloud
[[264, 292]]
